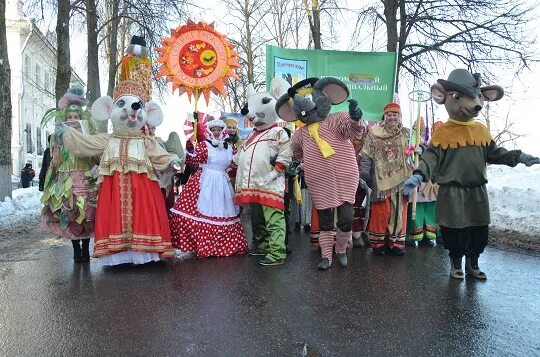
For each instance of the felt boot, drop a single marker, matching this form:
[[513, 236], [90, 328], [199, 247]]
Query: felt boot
[[455, 268], [85, 253], [76, 250], [472, 269]]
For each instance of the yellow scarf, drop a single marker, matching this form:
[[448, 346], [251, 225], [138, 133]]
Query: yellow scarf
[[326, 149]]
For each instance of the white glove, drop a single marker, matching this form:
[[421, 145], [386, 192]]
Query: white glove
[[274, 174]]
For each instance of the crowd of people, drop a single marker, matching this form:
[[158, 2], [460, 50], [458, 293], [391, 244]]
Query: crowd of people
[[345, 181]]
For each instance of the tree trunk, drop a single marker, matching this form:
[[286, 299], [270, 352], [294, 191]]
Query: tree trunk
[[113, 47], [249, 45], [314, 19], [63, 65], [5, 109], [392, 36], [316, 25], [93, 91]]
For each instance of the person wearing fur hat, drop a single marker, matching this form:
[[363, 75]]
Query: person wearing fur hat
[[456, 159], [69, 186], [205, 219], [384, 168]]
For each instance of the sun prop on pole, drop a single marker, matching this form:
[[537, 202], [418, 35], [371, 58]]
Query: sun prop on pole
[[419, 96], [197, 60]]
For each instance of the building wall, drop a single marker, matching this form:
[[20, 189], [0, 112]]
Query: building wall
[[33, 72]]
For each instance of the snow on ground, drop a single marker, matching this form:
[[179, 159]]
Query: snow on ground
[[514, 195]]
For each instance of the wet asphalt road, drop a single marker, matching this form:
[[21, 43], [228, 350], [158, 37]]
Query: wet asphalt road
[[378, 306]]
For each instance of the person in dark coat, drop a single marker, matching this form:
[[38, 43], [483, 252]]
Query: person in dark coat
[[45, 164], [27, 175]]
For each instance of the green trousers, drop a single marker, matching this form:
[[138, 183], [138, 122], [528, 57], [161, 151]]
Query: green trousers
[[424, 225], [269, 229]]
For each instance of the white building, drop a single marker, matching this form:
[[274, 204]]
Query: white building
[[32, 58]]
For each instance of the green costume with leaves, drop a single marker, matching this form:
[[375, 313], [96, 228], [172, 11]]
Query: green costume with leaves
[[70, 189]]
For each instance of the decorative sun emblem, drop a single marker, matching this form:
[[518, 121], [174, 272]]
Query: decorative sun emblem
[[197, 59]]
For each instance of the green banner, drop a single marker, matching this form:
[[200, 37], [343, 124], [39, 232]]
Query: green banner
[[370, 76]]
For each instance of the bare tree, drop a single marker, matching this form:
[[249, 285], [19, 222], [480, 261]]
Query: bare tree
[[248, 35], [315, 9], [93, 90], [63, 64], [427, 34], [111, 41], [503, 131], [5, 109]]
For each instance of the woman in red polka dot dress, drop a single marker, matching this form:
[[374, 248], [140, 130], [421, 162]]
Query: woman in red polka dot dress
[[205, 219]]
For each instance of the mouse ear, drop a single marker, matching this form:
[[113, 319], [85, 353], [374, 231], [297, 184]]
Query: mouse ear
[[102, 108], [334, 89], [438, 93], [492, 93], [284, 108]]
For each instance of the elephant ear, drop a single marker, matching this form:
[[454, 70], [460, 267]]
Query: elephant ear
[[154, 115], [335, 90], [438, 93], [102, 108], [284, 108], [492, 93]]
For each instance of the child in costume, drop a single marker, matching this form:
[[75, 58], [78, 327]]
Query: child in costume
[[384, 168], [423, 229], [324, 146], [234, 139], [131, 222], [205, 219], [456, 159], [260, 178], [69, 186]]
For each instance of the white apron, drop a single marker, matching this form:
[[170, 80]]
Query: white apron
[[216, 198]]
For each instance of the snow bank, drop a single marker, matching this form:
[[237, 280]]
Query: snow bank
[[514, 195]]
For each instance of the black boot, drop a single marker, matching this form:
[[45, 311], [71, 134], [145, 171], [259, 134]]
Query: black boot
[[76, 250], [85, 254]]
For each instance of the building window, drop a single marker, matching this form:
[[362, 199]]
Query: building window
[[29, 143], [38, 75], [38, 142], [46, 81], [27, 67]]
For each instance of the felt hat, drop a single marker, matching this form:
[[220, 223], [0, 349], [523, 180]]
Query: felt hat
[[463, 81], [303, 87], [392, 108]]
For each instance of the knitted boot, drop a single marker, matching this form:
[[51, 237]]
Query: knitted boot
[[342, 239], [326, 242]]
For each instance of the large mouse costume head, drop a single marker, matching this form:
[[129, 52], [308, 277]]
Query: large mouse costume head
[[462, 95], [310, 100], [128, 110], [260, 108]]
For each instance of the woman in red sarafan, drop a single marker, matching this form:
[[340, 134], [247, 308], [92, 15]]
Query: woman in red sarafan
[[205, 219]]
